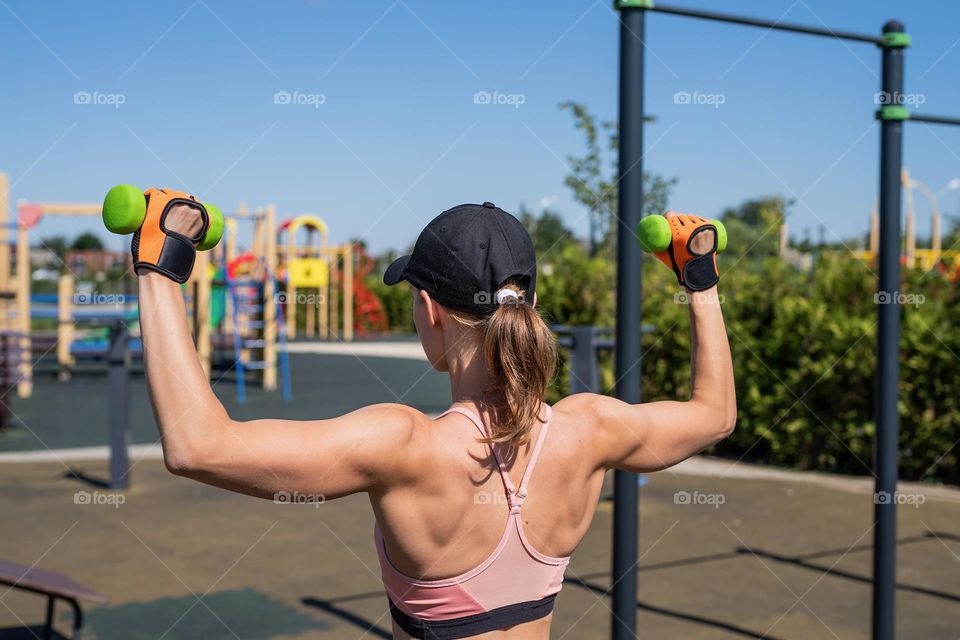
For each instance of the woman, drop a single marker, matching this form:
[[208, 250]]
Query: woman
[[478, 509]]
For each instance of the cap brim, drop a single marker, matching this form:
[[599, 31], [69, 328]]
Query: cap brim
[[395, 271]]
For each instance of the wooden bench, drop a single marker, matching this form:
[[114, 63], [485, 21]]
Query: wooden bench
[[54, 586]]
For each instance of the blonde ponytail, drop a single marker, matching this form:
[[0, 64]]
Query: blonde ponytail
[[521, 353]]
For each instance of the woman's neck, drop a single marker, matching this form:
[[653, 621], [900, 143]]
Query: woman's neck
[[470, 379]]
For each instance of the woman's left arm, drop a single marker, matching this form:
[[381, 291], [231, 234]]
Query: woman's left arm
[[356, 452]]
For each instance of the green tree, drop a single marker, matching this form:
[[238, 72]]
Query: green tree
[[574, 288], [56, 244], [593, 179], [87, 240], [951, 240], [754, 226], [547, 230]]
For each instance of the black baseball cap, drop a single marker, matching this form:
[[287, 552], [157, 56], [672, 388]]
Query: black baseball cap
[[465, 255]]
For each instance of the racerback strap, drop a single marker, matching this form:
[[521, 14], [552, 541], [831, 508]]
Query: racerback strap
[[515, 497]]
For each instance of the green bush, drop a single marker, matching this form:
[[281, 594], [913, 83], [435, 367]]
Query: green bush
[[397, 303], [803, 348]]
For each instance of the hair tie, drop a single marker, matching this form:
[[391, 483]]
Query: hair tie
[[505, 294]]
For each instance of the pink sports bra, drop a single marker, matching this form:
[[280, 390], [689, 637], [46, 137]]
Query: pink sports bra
[[515, 584]]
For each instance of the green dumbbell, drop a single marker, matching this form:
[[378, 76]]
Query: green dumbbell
[[125, 208], [655, 234], [215, 230]]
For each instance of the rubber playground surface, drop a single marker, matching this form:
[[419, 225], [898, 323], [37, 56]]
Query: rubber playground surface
[[781, 556], [76, 413]]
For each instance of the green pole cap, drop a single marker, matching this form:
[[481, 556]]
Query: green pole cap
[[896, 40], [893, 112], [633, 4]]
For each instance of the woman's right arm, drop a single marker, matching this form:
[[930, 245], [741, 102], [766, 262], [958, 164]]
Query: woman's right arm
[[656, 435], [361, 451]]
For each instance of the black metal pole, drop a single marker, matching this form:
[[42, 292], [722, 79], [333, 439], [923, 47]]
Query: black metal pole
[[629, 209], [888, 344], [118, 360]]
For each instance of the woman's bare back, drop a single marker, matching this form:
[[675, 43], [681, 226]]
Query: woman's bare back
[[452, 518]]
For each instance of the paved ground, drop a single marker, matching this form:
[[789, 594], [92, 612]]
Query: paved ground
[[195, 562], [725, 553]]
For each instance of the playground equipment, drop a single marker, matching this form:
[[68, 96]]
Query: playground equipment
[[892, 113], [95, 314], [911, 257], [82, 324], [256, 326], [246, 282], [15, 312], [27, 306], [329, 271], [321, 269]]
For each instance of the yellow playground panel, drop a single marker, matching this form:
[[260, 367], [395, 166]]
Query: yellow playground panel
[[308, 272], [315, 275]]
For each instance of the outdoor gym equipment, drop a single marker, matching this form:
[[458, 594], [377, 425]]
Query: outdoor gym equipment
[[72, 311], [892, 113]]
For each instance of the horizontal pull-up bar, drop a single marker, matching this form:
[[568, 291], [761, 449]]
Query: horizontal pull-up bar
[[649, 5], [896, 112], [919, 117]]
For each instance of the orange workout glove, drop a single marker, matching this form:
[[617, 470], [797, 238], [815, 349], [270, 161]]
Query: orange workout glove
[[157, 248], [697, 271]]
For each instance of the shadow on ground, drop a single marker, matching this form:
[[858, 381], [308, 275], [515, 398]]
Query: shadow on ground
[[803, 561], [332, 607], [224, 615]]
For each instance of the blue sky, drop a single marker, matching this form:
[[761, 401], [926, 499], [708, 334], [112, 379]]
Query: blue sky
[[382, 132]]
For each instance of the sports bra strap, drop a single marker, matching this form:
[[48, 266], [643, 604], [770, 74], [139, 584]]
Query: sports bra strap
[[515, 497], [475, 419], [522, 493]]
